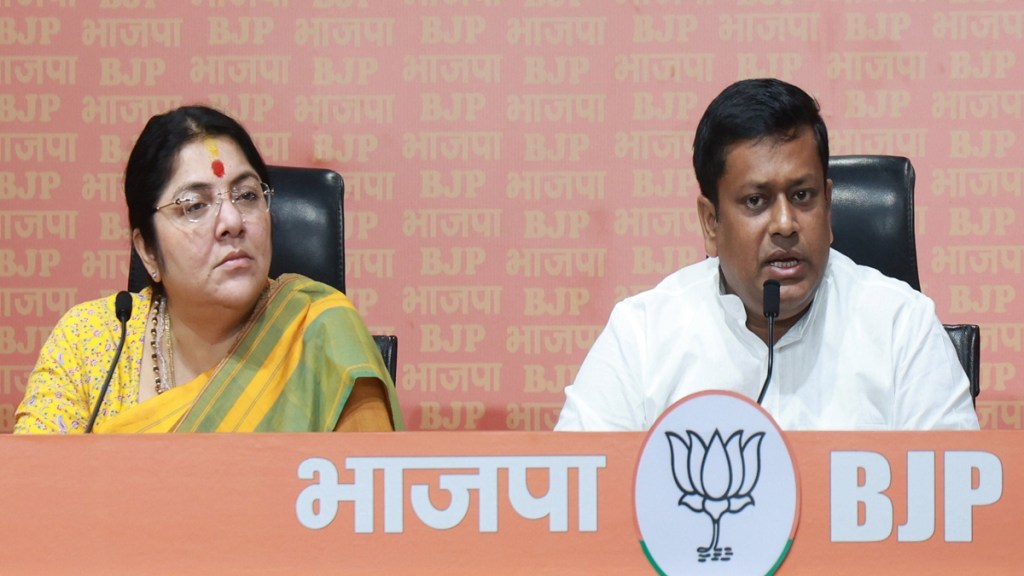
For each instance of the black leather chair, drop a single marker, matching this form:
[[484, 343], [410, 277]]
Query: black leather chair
[[873, 224], [967, 341], [873, 213], [388, 346], [308, 219]]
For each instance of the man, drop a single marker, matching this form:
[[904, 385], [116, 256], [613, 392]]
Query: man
[[854, 350]]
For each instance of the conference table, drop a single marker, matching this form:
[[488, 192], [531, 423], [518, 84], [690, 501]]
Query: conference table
[[476, 502]]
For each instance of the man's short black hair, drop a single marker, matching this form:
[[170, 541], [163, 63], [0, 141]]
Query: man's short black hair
[[752, 110]]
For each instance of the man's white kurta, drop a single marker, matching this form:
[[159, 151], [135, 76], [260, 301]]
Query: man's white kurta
[[870, 354]]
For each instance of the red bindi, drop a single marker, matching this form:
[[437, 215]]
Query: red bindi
[[218, 168]]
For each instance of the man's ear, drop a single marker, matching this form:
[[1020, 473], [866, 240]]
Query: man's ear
[[828, 208], [708, 216], [147, 254]]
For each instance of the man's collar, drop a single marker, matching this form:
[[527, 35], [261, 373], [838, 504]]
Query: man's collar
[[736, 313]]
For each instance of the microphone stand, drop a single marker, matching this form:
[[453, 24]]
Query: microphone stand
[[771, 310], [123, 311]]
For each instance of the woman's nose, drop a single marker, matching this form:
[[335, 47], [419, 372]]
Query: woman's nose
[[229, 219]]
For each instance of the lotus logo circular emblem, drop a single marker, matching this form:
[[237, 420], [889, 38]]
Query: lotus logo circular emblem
[[716, 489]]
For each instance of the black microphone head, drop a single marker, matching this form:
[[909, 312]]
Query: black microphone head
[[771, 298], [123, 306]]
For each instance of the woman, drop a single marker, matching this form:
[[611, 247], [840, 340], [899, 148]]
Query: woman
[[212, 344]]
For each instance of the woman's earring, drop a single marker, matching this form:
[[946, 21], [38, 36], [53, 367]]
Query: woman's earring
[[153, 274]]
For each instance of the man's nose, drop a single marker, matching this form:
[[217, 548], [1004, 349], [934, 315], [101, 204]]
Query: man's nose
[[783, 217]]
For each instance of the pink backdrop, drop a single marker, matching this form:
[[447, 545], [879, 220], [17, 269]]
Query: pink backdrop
[[513, 168]]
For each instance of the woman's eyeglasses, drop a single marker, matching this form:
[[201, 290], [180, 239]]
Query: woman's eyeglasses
[[197, 206]]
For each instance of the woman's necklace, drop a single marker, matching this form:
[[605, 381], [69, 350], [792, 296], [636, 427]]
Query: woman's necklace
[[163, 368], [160, 331]]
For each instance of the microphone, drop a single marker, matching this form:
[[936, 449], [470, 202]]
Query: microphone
[[123, 311], [771, 311]]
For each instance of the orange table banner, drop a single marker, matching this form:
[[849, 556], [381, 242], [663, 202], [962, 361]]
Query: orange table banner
[[478, 502]]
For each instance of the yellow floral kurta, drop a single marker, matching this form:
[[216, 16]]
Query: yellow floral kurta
[[74, 362]]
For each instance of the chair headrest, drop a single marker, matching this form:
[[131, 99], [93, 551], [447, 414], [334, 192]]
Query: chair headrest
[[873, 213]]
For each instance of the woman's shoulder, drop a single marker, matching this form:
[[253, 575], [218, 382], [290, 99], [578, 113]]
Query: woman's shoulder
[[99, 313], [95, 312], [297, 284]]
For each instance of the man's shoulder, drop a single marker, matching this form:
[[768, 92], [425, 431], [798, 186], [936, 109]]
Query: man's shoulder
[[692, 277], [686, 285], [856, 283]]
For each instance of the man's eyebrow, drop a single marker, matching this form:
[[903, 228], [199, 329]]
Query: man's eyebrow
[[761, 186]]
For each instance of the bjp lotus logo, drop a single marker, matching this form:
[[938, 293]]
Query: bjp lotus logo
[[716, 488], [716, 478]]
